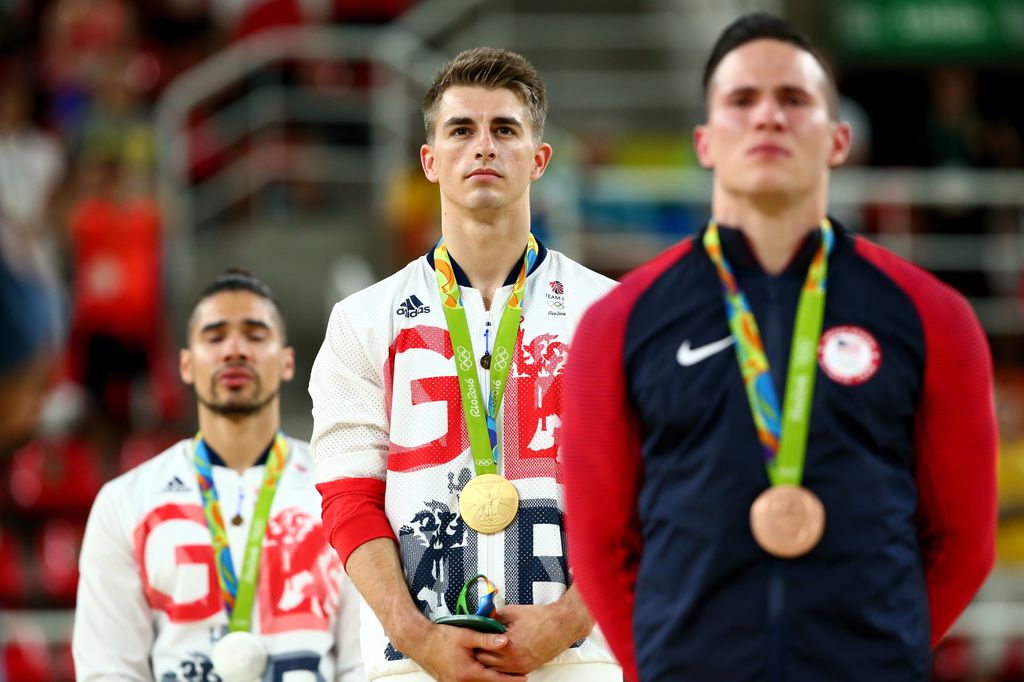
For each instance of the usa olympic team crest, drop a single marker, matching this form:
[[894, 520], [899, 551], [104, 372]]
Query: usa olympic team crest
[[849, 355]]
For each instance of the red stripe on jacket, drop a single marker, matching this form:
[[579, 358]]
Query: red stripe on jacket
[[955, 441]]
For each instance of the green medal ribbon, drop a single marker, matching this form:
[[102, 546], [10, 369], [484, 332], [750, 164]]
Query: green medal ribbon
[[238, 592], [480, 421], [783, 437]]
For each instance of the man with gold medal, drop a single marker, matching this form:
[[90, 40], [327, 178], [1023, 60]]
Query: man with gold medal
[[436, 410], [792, 427]]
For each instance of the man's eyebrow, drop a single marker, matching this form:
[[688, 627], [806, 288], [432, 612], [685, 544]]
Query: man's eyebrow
[[458, 121], [217, 325], [784, 88], [741, 90], [507, 121], [497, 120], [213, 326], [252, 322], [790, 89]]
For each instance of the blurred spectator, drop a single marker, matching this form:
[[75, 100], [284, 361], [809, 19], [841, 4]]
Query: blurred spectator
[[31, 161], [116, 256], [411, 211], [954, 138], [78, 38], [954, 126], [28, 318], [118, 125]]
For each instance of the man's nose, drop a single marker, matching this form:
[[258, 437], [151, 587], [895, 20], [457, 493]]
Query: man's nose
[[236, 348], [768, 115], [485, 145]]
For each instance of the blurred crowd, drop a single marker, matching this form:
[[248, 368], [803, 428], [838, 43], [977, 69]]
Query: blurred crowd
[[90, 362], [83, 235]]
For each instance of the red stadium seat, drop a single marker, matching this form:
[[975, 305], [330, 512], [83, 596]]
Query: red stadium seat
[[139, 447], [63, 662], [56, 559], [25, 655], [55, 477], [13, 576]]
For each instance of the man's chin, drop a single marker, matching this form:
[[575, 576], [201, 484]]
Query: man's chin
[[770, 190], [486, 199], [236, 408]]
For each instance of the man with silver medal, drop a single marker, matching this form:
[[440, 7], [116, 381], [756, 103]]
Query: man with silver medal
[[240, 476]]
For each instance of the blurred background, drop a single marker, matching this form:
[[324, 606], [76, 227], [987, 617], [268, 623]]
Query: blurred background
[[145, 145]]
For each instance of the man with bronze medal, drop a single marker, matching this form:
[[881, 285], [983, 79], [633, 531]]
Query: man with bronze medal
[[435, 434], [160, 596], [834, 534]]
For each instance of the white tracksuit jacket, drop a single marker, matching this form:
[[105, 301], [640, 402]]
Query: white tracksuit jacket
[[149, 605], [392, 450]]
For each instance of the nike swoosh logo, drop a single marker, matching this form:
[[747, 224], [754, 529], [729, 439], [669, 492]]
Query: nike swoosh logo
[[687, 356]]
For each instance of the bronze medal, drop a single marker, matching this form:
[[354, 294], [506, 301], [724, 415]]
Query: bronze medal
[[488, 503], [787, 520]]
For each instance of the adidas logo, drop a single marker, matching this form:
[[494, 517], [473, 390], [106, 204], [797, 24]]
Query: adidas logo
[[411, 307], [176, 485]]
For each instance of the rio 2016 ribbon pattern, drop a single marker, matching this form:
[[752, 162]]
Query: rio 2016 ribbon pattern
[[238, 592]]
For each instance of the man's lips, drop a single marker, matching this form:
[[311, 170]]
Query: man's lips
[[768, 150], [484, 172], [235, 377]]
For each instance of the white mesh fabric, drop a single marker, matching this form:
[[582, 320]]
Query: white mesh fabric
[[387, 405]]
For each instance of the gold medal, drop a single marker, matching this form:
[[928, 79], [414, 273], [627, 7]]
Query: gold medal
[[488, 503], [787, 520]]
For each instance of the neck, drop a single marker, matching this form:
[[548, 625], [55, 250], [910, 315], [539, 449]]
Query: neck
[[240, 440], [775, 226], [487, 249]]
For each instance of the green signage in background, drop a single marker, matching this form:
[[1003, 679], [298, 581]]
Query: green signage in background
[[912, 30]]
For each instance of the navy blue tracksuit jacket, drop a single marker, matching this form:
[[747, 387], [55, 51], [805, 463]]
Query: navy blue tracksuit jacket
[[662, 463]]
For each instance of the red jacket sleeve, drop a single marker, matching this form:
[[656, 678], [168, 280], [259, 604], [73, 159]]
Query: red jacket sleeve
[[601, 458], [353, 513], [955, 443]]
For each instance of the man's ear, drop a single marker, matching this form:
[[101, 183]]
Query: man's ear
[[541, 159], [288, 364], [427, 161], [702, 146], [842, 141], [185, 366]]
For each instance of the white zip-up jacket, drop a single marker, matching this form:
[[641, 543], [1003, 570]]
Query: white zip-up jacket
[[392, 450], [149, 604]]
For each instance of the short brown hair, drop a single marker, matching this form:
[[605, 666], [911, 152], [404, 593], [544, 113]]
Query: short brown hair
[[761, 26], [491, 68]]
